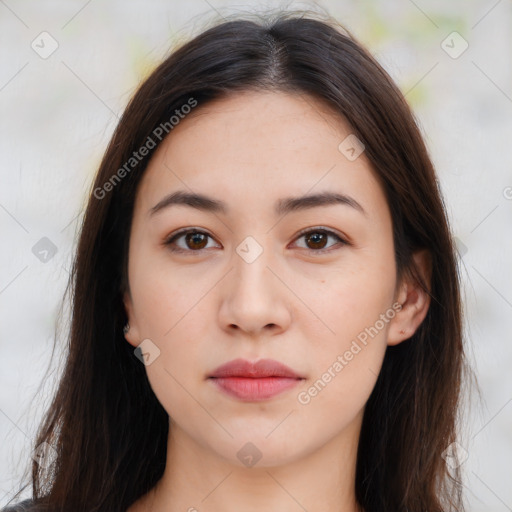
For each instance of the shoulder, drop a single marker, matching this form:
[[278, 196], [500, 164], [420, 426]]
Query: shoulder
[[24, 506]]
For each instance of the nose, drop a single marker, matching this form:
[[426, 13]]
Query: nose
[[255, 298]]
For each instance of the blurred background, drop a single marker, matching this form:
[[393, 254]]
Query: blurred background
[[67, 71]]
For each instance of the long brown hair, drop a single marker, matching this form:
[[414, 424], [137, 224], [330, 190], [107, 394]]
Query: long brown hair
[[104, 400]]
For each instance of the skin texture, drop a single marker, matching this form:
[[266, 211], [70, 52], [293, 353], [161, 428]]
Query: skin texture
[[205, 307]]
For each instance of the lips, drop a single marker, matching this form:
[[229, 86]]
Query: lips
[[254, 382], [259, 369]]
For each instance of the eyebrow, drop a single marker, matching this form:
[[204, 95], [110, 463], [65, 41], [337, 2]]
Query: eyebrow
[[282, 206]]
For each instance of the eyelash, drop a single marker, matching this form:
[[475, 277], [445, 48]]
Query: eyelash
[[173, 237]]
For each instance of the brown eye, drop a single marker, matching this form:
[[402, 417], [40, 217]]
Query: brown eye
[[196, 240], [193, 241], [316, 240]]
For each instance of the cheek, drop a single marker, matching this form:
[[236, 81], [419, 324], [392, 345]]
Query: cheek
[[171, 308], [345, 365], [176, 374], [356, 305], [163, 295], [354, 298], [168, 379]]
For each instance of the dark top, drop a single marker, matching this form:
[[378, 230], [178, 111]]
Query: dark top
[[24, 506]]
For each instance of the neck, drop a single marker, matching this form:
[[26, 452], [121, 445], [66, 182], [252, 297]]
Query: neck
[[197, 479]]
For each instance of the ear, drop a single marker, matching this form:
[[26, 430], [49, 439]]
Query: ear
[[132, 334], [414, 300]]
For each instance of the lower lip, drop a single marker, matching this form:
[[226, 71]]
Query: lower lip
[[249, 389]]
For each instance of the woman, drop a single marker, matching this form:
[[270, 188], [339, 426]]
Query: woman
[[266, 310]]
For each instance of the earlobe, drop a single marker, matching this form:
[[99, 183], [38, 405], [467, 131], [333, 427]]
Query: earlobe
[[414, 298], [130, 328]]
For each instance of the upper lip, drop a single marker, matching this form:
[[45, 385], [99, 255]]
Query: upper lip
[[259, 369]]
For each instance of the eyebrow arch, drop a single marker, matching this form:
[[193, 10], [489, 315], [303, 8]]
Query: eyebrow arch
[[282, 206]]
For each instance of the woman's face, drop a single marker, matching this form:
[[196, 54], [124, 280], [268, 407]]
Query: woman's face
[[268, 275]]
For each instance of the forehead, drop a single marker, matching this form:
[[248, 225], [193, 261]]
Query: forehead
[[255, 147]]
